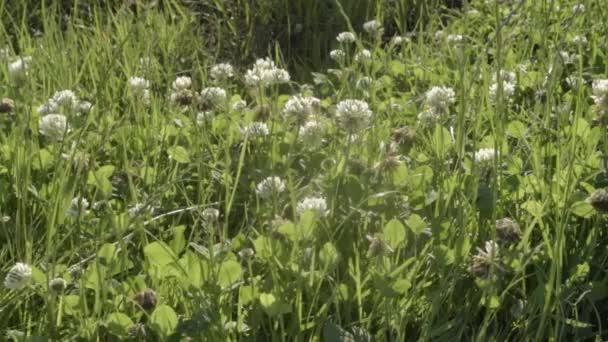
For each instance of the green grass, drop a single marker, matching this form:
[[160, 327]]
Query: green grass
[[396, 254]]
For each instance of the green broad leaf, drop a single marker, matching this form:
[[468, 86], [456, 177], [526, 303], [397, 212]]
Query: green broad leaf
[[38, 276], [289, 231], [179, 239], [401, 286], [400, 175], [273, 306], [306, 225], [107, 254], [516, 129], [264, 247], [534, 208], [335, 333], [71, 305], [582, 209], [441, 140], [230, 272], [416, 224], [397, 67], [179, 154], [581, 128], [101, 179], [329, 256], [118, 323], [163, 320], [394, 233], [247, 294], [159, 254], [43, 160]]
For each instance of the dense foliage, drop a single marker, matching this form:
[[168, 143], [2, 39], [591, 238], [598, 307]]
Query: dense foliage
[[445, 183]]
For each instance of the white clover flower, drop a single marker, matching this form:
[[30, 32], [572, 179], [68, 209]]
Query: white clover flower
[[600, 93], [18, 277], [211, 215], [363, 56], [572, 81], [439, 34], [301, 107], [440, 98], [473, 13], [213, 95], [364, 83], [353, 115], [311, 134], [346, 37], [265, 73], [275, 76], [337, 55], [239, 105], [506, 76], [490, 251], [508, 90], [256, 129], [140, 209], [485, 155], [318, 205], [373, 27], [4, 53], [48, 107], [54, 126], [78, 207], [182, 83], [65, 98], [568, 58], [269, 187], [203, 117], [428, 117], [579, 40], [222, 71], [18, 70], [455, 38], [399, 40], [138, 84], [578, 8], [139, 87]]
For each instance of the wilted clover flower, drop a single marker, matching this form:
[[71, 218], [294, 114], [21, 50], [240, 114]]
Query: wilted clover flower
[[214, 96], [484, 259], [438, 99], [377, 246], [6, 105], [18, 276], [270, 187], [139, 87], [373, 27], [404, 136], [256, 129], [600, 94], [181, 94], [353, 115], [346, 37], [301, 107], [57, 285], [78, 207], [508, 230], [318, 205], [265, 73], [337, 55], [146, 300], [222, 71], [599, 200], [365, 83], [54, 126], [311, 134], [18, 70], [363, 56]]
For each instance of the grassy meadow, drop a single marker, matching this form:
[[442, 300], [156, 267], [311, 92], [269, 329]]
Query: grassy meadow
[[277, 170]]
